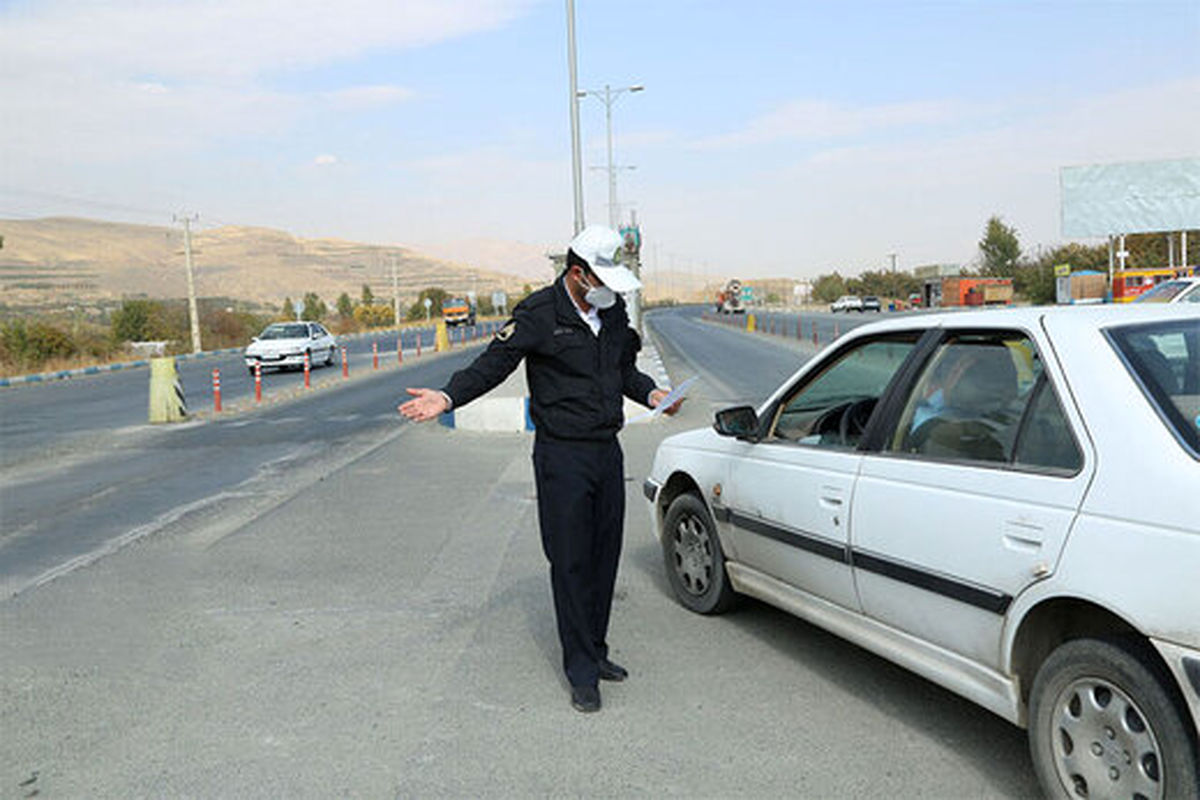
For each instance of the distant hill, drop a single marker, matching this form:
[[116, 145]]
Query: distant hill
[[527, 261], [59, 261]]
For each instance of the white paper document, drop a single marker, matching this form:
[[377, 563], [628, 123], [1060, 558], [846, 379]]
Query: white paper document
[[675, 394]]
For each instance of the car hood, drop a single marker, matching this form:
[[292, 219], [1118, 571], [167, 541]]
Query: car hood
[[271, 346], [696, 439]]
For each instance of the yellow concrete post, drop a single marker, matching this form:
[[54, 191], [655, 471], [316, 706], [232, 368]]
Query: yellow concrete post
[[751, 323], [442, 339], [167, 403]]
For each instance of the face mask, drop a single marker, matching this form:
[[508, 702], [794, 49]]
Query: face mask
[[601, 296]]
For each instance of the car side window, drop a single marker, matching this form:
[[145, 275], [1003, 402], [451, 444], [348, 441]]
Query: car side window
[[1046, 441], [971, 401], [832, 408]]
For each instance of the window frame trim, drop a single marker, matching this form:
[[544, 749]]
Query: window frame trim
[[940, 337]]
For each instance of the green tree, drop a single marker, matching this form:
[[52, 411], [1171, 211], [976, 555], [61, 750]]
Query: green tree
[[1000, 248], [368, 297], [314, 307], [345, 306], [1034, 279], [31, 344], [436, 295], [286, 311], [827, 288], [374, 316], [138, 321]]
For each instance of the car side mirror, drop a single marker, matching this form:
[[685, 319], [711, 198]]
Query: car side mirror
[[253, 338], [739, 421]]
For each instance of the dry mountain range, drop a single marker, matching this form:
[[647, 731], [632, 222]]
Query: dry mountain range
[[61, 261]]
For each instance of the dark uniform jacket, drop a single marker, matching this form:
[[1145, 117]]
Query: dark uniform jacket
[[576, 379]]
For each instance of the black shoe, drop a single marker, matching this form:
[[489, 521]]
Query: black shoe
[[585, 698], [612, 672]]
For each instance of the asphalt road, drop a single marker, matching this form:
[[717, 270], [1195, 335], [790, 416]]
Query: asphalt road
[[86, 487], [39, 419], [361, 609]]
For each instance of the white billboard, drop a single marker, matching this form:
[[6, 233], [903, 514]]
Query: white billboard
[[1133, 197]]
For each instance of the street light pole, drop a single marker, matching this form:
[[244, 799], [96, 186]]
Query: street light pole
[[609, 97], [576, 168]]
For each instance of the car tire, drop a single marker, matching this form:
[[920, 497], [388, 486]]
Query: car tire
[[251, 371], [693, 558], [1101, 724], [329, 358]]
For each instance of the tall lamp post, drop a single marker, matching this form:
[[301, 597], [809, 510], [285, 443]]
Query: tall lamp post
[[576, 168], [608, 97]]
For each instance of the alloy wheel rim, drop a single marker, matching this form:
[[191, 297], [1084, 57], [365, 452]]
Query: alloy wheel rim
[[1103, 745], [693, 554]]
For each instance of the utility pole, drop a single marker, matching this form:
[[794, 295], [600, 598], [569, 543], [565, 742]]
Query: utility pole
[[193, 315], [395, 292], [608, 97], [892, 256], [576, 168]]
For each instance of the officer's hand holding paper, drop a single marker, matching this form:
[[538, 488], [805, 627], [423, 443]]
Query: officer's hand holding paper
[[667, 402]]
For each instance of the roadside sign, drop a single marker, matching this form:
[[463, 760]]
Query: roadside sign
[[1062, 270]]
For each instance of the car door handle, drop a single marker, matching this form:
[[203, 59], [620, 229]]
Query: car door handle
[[1023, 535]]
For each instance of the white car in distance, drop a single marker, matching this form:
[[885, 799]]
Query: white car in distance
[[286, 344], [847, 303], [1001, 501], [1176, 290]]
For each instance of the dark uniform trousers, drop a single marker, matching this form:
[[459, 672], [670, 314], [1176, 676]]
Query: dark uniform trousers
[[581, 507]]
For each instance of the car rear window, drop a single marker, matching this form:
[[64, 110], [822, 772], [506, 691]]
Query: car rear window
[[1164, 359]]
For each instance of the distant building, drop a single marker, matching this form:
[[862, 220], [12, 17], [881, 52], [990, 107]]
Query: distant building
[[944, 285]]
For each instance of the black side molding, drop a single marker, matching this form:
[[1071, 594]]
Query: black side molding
[[987, 599]]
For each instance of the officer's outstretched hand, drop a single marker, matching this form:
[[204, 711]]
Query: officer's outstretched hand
[[425, 404], [658, 395]]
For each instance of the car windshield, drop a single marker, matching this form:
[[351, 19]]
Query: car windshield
[[1165, 292], [1164, 357], [285, 332]]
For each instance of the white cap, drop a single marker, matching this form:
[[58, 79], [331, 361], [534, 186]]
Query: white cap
[[598, 245]]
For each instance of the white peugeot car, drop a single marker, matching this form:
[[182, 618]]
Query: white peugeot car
[[1177, 290], [286, 344], [1006, 502], [847, 303]]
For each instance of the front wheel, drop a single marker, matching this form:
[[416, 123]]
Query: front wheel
[[329, 358], [693, 558], [1101, 724]]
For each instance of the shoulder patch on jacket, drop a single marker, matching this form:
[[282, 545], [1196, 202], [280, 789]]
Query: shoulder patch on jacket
[[505, 333]]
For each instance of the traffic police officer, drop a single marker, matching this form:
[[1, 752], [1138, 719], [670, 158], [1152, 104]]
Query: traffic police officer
[[579, 354]]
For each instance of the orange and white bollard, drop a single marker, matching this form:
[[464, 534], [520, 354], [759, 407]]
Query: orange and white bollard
[[375, 353], [216, 390], [399, 348], [418, 342], [258, 383], [307, 371], [836, 332], [345, 364], [814, 324]]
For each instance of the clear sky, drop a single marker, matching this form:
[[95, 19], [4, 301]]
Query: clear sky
[[773, 138]]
